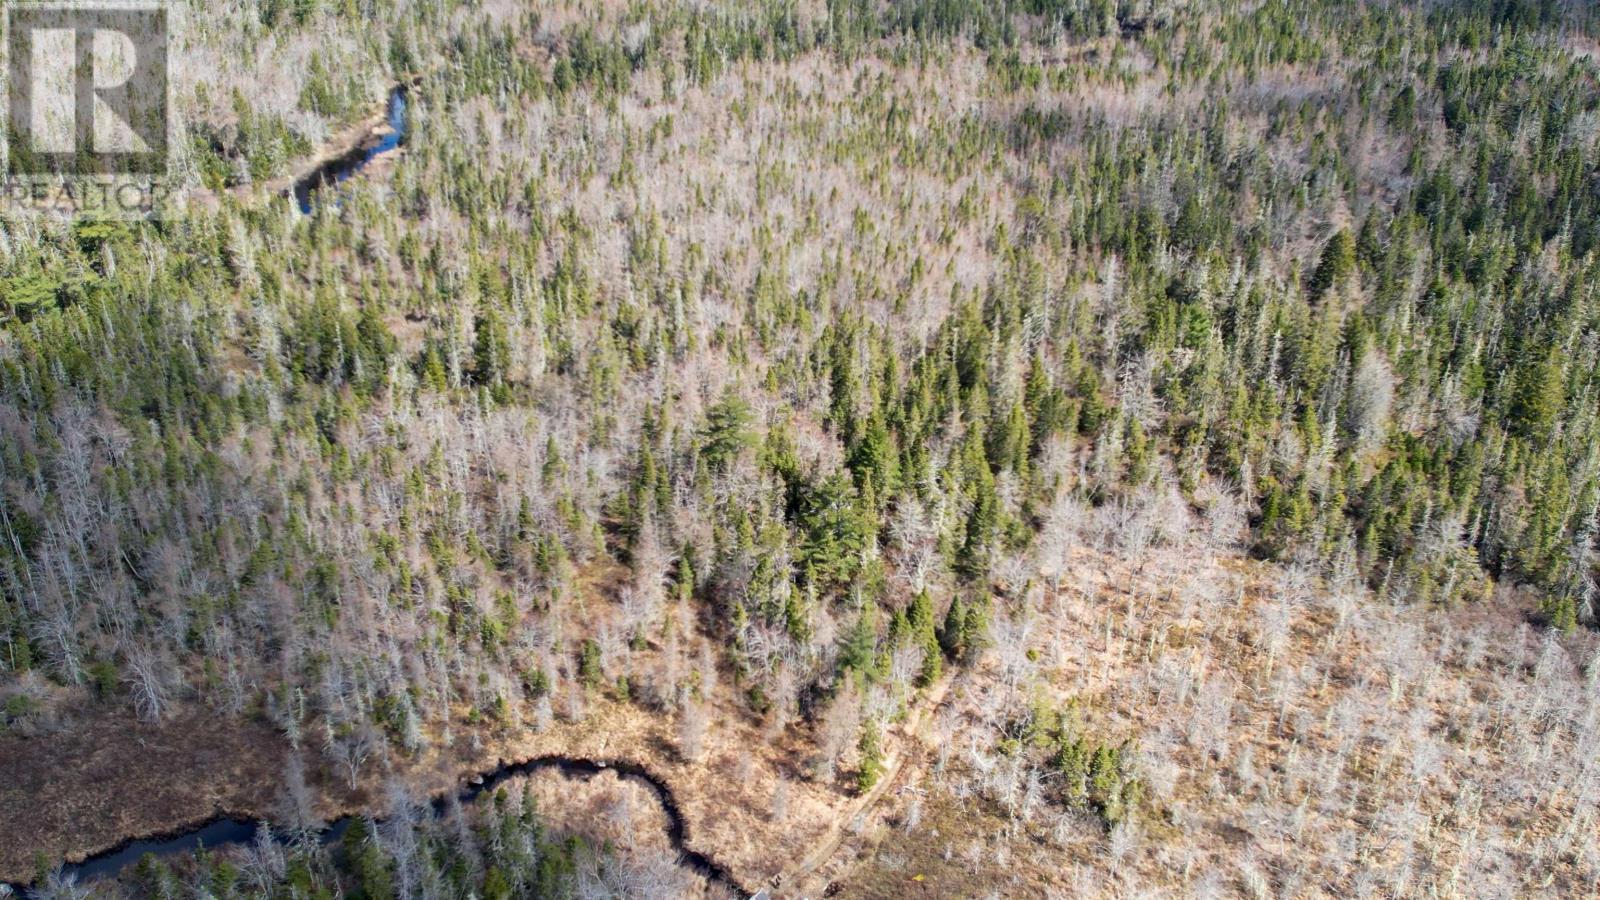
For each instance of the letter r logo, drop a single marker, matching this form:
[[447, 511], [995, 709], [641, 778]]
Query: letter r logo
[[87, 90]]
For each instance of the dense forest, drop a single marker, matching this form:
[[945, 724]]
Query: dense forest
[[796, 362]]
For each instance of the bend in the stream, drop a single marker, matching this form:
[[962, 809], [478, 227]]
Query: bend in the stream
[[224, 830], [373, 145]]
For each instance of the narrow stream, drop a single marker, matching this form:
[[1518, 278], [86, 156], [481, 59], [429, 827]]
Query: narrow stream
[[226, 831], [343, 167]]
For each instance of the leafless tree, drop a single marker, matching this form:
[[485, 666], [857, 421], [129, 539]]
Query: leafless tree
[[295, 801], [784, 697], [350, 748], [1012, 638], [837, 732], [264, 863], [1059, 536], [543, 714], [1371, 398], [904, 663], [1123, 843], [914, 538], [707, 669], [1275, 617], [62, 886], [577, 707], [692, 726], [913, 814], [780, 800], [398, 835], [147, 680]]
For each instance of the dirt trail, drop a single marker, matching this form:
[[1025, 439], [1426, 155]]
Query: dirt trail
[[901, 768]]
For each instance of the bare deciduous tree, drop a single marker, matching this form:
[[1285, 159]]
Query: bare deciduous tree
[[147, 680], [692, 726], [779, 810], [1371, 398]]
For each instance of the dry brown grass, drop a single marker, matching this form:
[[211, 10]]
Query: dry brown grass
[[111, 777]]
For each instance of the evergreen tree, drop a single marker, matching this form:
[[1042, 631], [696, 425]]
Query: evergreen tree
[[871, 758], [491, 351], [1539, 396], [727, 432], [1337, 263]]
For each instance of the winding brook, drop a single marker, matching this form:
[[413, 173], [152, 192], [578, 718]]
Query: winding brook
[[225, 831], [379, 142]]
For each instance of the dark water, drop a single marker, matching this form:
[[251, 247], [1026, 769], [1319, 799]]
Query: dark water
[[217, 833], [223, 832], [343, 167]]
